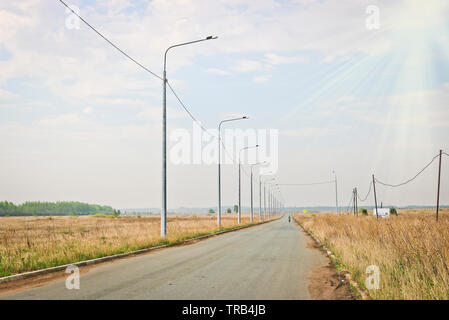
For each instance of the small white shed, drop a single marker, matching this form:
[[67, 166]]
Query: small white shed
[[383, 212]]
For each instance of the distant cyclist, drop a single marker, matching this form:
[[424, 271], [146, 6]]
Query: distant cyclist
[[288, 219]]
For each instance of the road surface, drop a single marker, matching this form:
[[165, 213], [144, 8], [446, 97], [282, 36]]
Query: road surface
[[270, 261]]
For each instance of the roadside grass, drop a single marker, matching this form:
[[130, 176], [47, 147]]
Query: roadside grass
[[411, 250], [102, 215], [33, 243]]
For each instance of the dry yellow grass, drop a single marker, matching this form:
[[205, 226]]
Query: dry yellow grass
[[411, 250], [32, 243]]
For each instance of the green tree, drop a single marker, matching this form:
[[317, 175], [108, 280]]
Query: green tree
[[363, 211], [211, 211], [393, 211], [228, 210], [236, 208], [51, 208]]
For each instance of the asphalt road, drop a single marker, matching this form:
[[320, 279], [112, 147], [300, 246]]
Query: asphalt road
[[270, 261]]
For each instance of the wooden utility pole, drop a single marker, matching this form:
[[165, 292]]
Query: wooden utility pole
[[375, 196], [356, 202], [439, 181], [353, 204]]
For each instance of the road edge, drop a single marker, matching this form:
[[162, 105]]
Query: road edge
[[36, 273], [359, 291]]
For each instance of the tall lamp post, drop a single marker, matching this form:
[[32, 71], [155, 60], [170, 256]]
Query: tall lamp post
[[264, 197], [260, 195], [271, 199], [240, 192], [252, 207], [219, 166], [164, 135], [336, 193]]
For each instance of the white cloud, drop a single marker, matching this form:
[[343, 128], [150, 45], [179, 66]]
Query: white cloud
[[7, 95], [262, 78], [422, 108], [64, 119], [247, 66], [310, 132], [87, 110], [154, 114], [275, 59], [218, 72]]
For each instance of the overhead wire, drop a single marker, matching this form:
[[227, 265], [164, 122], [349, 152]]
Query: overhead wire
[[151, 72], [367, 194], [350, 202], [110, 42], [306, 184], [409, 180]]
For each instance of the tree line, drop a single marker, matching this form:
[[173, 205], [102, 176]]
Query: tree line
[[62, 208]]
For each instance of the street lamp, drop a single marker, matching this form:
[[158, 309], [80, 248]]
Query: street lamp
[[277, 202], [252, 208], [260, 195], [336, 193], [240, 192], [164, 136], [219, 165], [264, 197], [271, 199]]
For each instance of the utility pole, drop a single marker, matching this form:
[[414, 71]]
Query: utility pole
[[240, 192], [270, 213], [439, 181], [336, 193], [356, 202], [219, 166], [264, 202], [353, 201], [252, 209], [164, 135], [260, 197], [240, 188], [375, 196], [164, 155], [269, 203]]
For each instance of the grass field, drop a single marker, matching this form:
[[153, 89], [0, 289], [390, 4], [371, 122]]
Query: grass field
[[411, 250], [32, 243]]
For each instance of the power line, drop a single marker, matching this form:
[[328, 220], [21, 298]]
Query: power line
[[154, 74], [148, 70], [110, 42], [306, 184], [198, 122], [367, 194], [410, 180], [350, 202], [188, 111]]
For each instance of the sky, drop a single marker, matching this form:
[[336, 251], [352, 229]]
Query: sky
[[81, 122]]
